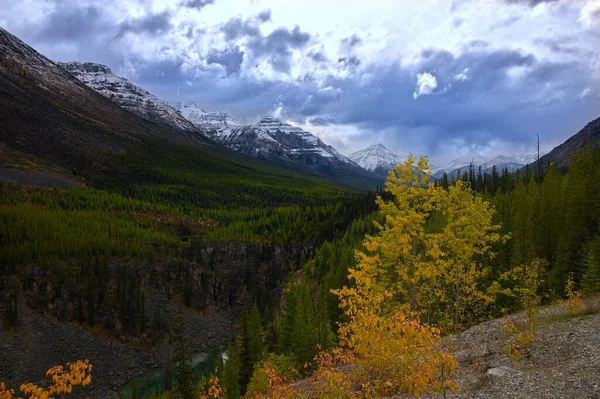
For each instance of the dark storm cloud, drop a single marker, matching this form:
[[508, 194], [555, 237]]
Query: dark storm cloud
[[350, 42], [489, 105], [198, 4], [280, 41], [236, 28], [317, 56], [160, 77], [349, 61], [264, 16], [321, 121], [530, 3], [231, 59], [277, 46], [70, 23], [557, 46], [152, 24]]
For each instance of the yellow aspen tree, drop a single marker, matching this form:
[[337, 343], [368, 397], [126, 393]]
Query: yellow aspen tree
[[394, 352], [399, 250], [432, 249], [461, 252]]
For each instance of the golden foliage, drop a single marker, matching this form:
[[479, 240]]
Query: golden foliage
[[63, 379], [212, 389], [526, 280], [573, 302], [435, 238]]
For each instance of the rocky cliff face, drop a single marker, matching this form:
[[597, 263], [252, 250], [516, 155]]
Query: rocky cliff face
[[562, 361]]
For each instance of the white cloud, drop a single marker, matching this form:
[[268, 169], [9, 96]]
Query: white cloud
[[585, 93], [278, 112], [426, 84], [462, 76]]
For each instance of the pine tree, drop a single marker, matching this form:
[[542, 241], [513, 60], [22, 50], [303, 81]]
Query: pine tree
[[591, 276], [230, 376], [304, 335], [256, 349], [287, 326], [185, 373]]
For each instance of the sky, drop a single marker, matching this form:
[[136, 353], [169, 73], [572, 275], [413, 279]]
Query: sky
[[443, 78]]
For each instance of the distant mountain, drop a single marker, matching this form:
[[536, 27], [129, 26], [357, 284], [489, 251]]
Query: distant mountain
[[273, 140], [502, 162], [128, 95], [376, 158], [561, 155]]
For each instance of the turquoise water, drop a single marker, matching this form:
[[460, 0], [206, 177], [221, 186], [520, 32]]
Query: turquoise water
[[157, 379]]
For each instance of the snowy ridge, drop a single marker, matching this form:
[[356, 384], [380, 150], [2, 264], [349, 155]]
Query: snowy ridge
[[501, 162], [127, 94], [309, 143], [193, 113], [269, 138], [376, 157]]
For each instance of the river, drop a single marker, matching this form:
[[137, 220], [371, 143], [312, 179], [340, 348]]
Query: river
[[157, 379]]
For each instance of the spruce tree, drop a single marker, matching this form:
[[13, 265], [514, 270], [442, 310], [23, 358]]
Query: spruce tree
[[185, 373], [230, 376], [591, 276], [256, 335]]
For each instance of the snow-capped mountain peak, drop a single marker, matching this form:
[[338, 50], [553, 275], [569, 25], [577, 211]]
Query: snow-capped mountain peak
[[127, 94], [376, 157], [269, 138], [199, 117]]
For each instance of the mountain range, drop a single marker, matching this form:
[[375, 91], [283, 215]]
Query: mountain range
[[269, 139], [75, 124]]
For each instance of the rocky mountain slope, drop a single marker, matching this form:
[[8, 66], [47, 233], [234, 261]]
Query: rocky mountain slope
[[561, 155], [128, 95], [376, 158], [48, 114]]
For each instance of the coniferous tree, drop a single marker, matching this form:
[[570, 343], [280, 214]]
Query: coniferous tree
[[304, 335], [230, 376], [591, 277], [185, 373], [256, 349]]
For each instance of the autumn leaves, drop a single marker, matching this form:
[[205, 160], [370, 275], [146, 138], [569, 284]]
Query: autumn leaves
[[62, 381]]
